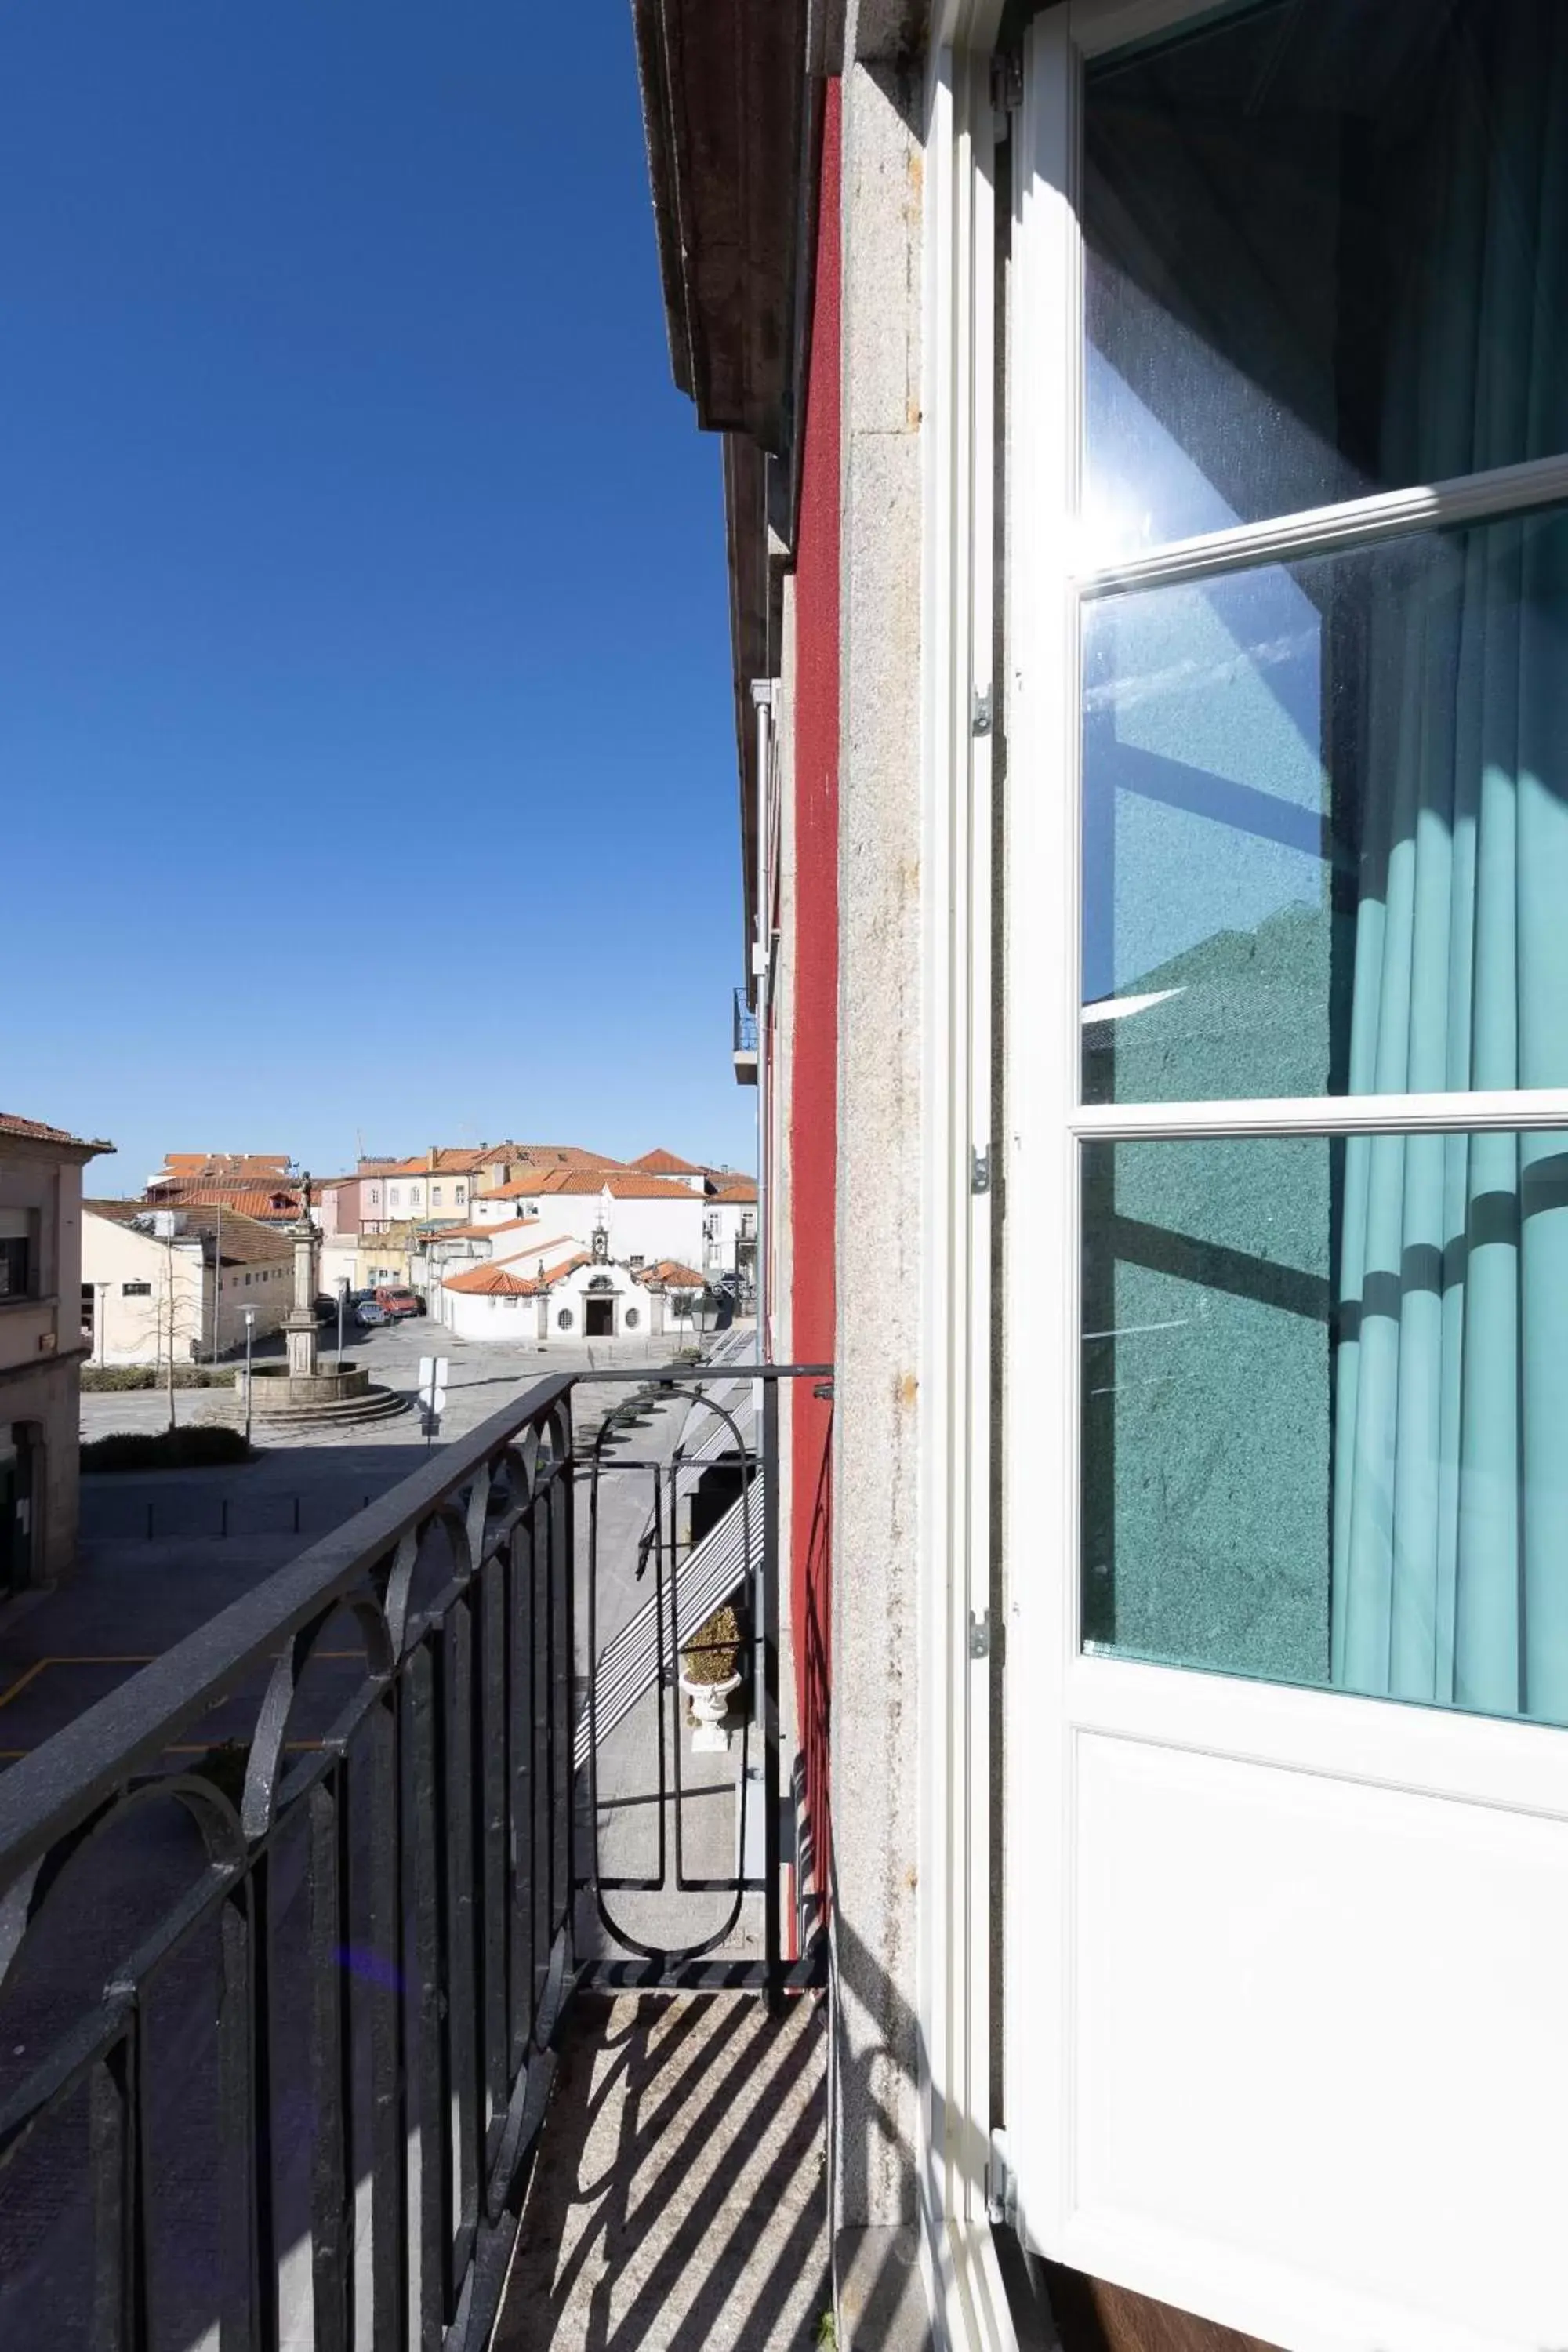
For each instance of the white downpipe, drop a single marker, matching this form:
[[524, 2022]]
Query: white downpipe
[[762, 702]]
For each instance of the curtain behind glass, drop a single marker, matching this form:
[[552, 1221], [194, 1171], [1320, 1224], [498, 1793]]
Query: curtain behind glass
[[1450, 1502]]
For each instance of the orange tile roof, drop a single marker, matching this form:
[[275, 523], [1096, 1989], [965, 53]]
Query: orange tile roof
[[495, 1282], [448, 1162], [665, 1163], [35, 1131], [225, 1163], [246, 1202], [673, 1276], [622, 1184], [732, 1188]]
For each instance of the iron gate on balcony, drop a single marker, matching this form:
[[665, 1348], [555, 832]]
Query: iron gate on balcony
[[279, 2014]]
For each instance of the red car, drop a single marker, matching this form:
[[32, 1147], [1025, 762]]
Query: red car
[[397, 1303]]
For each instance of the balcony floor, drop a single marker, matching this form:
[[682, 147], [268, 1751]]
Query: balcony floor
[[678, 2202]]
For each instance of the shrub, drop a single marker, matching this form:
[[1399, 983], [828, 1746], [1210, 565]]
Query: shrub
[[198, 1448], [713, 1653], [115, 1378]]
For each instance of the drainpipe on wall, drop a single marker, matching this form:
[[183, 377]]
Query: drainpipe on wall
[[762, 702]]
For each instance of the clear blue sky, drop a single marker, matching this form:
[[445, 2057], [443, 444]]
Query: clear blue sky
[[366, 755]]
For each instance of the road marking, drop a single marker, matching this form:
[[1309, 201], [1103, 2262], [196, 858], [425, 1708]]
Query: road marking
[[39, 1664]]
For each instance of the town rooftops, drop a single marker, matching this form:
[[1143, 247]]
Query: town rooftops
[[621, 1183], [555, 1155], [33, 1130], [439, 1160], [723, 1186], [274, 1207]]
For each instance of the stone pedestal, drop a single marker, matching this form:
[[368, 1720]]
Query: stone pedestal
[[300, 1335]]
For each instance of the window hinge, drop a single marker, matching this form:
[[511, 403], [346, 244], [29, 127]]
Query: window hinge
[[985, 1641], [981, 714], [1001, 2188], [980, 1171]]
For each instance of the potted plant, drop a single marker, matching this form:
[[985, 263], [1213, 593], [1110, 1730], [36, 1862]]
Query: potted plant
[[710, 1672]]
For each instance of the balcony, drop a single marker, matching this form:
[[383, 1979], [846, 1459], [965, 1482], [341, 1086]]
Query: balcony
[[392, 1962], [745, 1036]]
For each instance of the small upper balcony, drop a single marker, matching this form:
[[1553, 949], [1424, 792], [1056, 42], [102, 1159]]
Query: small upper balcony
[[745, 1031]]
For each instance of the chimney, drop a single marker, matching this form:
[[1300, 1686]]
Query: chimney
[[432, 1159]]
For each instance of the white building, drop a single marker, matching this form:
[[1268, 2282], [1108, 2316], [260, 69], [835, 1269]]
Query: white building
[[161, 1282], [642, 1217], [584, 1296]]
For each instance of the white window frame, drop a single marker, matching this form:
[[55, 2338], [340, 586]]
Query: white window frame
[[1056, 1693], [954, 2156]]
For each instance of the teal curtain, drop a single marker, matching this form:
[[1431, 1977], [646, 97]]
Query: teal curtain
[[1450, 1497]]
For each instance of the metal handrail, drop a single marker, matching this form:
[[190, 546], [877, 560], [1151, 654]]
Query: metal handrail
[[433, 1822]]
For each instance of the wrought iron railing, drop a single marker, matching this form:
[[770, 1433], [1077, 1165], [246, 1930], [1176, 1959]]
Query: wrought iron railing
[[386, 1898], [282, 2082]]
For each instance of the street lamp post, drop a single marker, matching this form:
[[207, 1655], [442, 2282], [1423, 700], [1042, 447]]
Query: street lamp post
[[343, 1302], [102, 1289], [249, 1313]]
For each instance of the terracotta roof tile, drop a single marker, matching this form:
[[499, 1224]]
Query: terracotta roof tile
[[495, 1282], [621, 1183], [270, 1206], [665, 1163], [672, 1276], [35, 1131]]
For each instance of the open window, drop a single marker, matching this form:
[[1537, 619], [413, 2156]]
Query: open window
[[1287, 1508]]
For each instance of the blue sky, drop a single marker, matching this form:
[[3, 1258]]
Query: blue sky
[[366, 755]]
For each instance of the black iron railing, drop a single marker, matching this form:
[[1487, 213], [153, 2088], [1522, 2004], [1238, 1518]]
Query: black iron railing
[[378, 1934], [282, 2082]]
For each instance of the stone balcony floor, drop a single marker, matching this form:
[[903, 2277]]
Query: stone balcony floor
[[678, 2201]]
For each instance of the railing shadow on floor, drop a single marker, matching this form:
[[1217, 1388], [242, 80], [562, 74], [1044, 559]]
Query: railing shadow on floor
[[680, 2193]]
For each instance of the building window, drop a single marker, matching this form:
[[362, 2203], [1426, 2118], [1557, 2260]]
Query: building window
[[460, 1194], [18, 1254], [393, 1195], [563, 1319], [434, 1196], [1294, 746], [631, 1318], [136, 1290]]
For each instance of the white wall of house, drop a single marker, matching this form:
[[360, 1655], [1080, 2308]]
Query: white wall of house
[[668, 1225], [149, 1292], [725, 1224]]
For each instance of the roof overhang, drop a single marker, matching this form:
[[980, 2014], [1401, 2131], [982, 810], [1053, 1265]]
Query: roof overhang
[[731, 115]]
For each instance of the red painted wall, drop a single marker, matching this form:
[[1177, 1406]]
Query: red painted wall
[[813, 1141]]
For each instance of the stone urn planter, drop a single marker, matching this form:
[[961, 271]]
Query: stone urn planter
[[709, 1675]]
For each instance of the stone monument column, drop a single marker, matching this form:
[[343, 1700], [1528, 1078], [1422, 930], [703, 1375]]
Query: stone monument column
[[300, 1327]]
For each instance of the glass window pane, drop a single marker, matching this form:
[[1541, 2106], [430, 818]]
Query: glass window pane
[[1325, 1384], [1327, 252], [1326, 825]]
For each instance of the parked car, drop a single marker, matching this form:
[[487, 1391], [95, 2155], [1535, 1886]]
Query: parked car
[[398, 1302], [369, 1312]]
